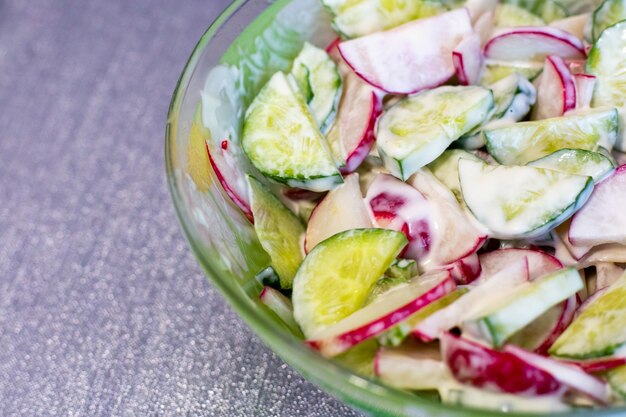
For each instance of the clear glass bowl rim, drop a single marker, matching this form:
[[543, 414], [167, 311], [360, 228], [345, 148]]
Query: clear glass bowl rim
[[362, 393]]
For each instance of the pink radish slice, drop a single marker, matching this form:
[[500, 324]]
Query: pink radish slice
[[476, 364], [533, 43], [597, 365], [539, 262], [465, 270], [588, 301], [228, 172], [565, 318], [484, 26], [397, 206], [584, 89], [411, 57], [602, 220], [577, 66], [352, 135], [453, 236], [556, 93], [386, 311], [342, 209], [498, 286], [569, 375], [467, 59]]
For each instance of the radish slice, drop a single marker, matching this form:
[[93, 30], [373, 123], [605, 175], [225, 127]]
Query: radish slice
[[417, 367], [352, 135], [469, 304], [533, 43], [411, 57], [453, 235], [569, 375], [484, 26], [572, 24], [584, 90], [478, 365], [467, 59], [225, 164], [539, 262], [597, 365], [465, 270], [342, 209], [556, 93], [577, 66], [397, 206], [387, 310], [602, 219], [568, 308]]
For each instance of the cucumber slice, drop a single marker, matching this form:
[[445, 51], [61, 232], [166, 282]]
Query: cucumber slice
[[318, 78], [283, 141], [617, 380], [355, 18], [281, 306], [607, 14], [416, 130], [577, 162], [523, 142], [339, 273], [468, 396], [279, 231], [446, 169], [494, 71], [402, 268], [606, 61], [599, 330], [524, 305], [521, 202], [548, 10], [510, 15]]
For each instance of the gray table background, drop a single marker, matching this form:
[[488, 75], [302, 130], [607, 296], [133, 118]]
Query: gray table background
[[103, 310]]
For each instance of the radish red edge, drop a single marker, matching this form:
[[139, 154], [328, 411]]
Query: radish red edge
[[597, 365], [238, 201], [569, 375], [565, 318], [568, 41], [567, 81], [358, 154], [336, 344]]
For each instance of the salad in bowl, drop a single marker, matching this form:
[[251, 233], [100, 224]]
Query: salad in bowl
[[428, 193]]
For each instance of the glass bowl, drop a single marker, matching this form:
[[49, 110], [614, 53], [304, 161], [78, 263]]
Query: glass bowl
[[246, 44]]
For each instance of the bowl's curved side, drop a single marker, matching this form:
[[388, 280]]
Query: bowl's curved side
[[224, 243]]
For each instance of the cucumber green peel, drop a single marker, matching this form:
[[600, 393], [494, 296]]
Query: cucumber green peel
[[599, 330], [577, 162], [318, 78], [279, 231]]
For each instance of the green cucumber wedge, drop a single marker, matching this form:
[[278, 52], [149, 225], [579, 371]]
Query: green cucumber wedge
[[417, 129], [523, 142], [524, 305], [355, 18], [494, 71], [446, 169], [607, 60], [599, 330], [282, 139], [279, 230], [617, 380], [281, 306], [518, 202], [510, 15], [607, 14], [318, 78], [337, 276], [578, 162]]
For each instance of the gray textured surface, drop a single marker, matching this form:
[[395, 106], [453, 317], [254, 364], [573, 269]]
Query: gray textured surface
[[103, 310]]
